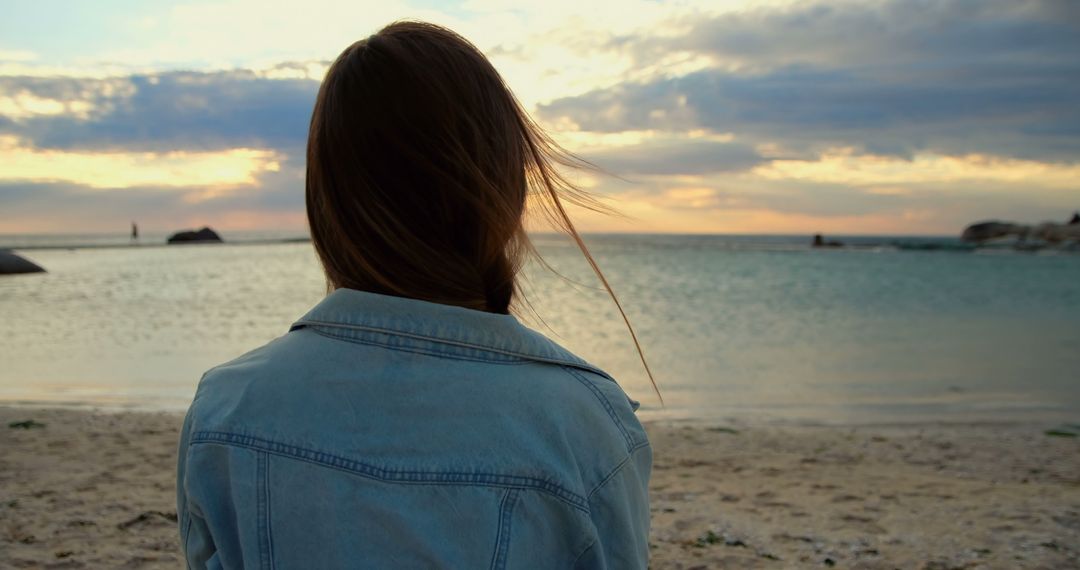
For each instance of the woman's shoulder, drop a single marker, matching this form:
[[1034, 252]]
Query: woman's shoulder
[[307, 364], [550, 418]]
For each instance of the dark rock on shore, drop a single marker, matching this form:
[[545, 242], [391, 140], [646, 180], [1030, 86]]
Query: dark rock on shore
[[205, 235], [11, 264]]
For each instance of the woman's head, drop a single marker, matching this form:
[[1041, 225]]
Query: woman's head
[[420, 162]]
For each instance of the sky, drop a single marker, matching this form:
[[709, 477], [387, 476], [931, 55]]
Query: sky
[[843, 117]]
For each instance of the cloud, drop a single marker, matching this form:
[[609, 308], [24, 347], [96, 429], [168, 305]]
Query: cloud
[[60, 206], [175, 110], [216, 169], [680, 157], [840, 167], [277, 201], [913, 116], [957, 77], [168, 148], [881, 33]]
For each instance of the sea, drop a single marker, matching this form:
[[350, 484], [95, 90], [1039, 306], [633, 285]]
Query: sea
[[736, 329]]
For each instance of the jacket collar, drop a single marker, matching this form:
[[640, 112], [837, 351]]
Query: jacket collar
[[436, 322]]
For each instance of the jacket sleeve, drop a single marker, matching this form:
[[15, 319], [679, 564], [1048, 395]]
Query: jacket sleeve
[[196, 543], [619, 509]]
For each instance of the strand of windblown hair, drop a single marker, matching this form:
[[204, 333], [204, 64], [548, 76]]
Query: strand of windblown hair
[[615, 298]]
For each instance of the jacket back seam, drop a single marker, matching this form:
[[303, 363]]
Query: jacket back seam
[[262, 490], [502, 541], [187, 541], [478, 479]]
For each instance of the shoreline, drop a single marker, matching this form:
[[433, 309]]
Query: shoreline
[[96, 489], [649, 417], [152, 245]]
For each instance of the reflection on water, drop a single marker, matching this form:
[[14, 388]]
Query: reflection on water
[[743, 327]]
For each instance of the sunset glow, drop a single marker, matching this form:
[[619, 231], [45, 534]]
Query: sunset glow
[[115, 170], [734, 116]]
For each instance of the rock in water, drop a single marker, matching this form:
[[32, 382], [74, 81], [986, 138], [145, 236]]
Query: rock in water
[[205, 235], [819, 241], [11, 264]]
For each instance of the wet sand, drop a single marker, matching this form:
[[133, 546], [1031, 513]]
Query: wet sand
[[96, 490]]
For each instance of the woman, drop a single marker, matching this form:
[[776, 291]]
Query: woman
[[408, 420]]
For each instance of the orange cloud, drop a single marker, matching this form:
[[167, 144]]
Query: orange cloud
[[213, 170]]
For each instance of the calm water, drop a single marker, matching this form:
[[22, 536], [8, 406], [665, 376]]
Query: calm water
[[746, 328]]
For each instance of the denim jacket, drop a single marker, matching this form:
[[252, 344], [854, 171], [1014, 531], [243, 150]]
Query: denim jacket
[[384, 432]]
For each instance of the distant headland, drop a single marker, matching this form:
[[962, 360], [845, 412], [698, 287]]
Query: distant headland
[[983, 234], [1050, 233]]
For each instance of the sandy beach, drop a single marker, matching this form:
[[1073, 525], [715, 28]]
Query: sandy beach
[[82, 489]]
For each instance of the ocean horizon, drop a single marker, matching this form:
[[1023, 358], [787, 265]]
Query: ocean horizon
[[86, 240]]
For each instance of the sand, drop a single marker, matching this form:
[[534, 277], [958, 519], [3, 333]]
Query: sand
[[95, 490]]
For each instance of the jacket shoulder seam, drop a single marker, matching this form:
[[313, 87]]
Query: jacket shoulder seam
[[605, 403], [414, 477], [590, 546], [615, 470]]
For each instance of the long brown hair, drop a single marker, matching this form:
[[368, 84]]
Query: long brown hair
[[420, 161]]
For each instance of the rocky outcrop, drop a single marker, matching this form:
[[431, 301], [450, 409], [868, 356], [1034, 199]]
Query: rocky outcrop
[[11, 264], [993, 229], [1049, 232], [205, 235]]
